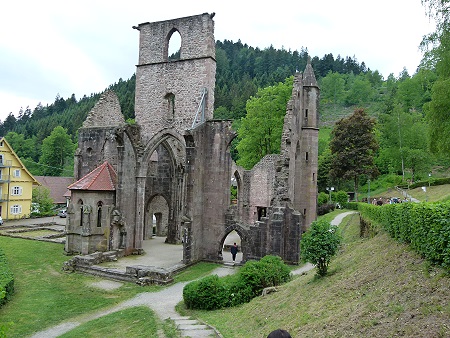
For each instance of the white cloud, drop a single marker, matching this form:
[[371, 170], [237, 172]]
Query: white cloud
[[47, 47]]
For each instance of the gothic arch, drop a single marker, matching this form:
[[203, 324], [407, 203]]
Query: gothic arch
[[173, 140], [243, 234], [163, 175], [156, 206], [173, 37]]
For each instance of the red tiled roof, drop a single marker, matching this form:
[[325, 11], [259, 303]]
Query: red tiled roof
[[56, 185], [103, 177]]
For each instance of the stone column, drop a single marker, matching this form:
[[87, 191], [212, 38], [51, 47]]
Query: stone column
[[140, 211]]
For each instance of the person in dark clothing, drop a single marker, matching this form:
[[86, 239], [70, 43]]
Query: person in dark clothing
[[279, 334], [234, 251]]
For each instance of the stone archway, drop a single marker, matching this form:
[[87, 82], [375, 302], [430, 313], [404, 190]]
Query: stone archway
[[234, 233], [156, 218], [163, 176]]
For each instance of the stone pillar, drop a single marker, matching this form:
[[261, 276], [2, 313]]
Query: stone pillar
[[140, 207]]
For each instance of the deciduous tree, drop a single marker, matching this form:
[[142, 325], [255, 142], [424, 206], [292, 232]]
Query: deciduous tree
[[260, 130], [319, 244], [56, 150], [353, 146]]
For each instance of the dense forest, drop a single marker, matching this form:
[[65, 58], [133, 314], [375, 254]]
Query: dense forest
[[245, 77]]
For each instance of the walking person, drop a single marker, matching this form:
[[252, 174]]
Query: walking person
[[234, 251]]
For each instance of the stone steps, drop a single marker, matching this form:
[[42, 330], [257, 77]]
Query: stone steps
[[193, 328]]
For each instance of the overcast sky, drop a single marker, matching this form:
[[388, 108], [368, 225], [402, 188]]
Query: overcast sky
[[81, 47]]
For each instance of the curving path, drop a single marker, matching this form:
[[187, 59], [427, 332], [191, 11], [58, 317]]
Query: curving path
[[163, 303]]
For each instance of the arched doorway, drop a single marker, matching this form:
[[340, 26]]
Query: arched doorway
[[164, 187], [156, 221], [230, 239]]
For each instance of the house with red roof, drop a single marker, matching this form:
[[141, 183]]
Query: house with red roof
[[93, 199]]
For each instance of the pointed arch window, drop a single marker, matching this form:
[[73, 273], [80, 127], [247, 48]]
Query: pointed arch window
[[170, 97], [80, 208], [99, 214], [174, 45]]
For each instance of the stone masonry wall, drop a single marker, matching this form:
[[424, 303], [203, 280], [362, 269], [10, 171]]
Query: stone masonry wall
[[157, 79]]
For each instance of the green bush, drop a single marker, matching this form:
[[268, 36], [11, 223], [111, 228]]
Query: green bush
[[6, 280], [208, 293], [269, 271], [212, 292], [319, 244], [341, 197], [322, 198], [425, 226]]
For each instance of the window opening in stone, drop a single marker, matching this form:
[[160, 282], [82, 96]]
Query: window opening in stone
[[99, 214], [234, 191], [174, 51], [80, 206], [306, 113], [262, 212], [314, 177], [306, 156], [227, 255], [170, 104], [157, 222], [304, 212]]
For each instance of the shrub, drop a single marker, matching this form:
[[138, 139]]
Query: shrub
[[207, 293], [325, 209], [269, 271], [319, 244], [341, 197], [6, 280], [212, 292], [322, 198]]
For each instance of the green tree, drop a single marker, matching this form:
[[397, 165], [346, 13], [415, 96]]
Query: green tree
[[57, 149], [360, 91], [353, 147], [332, 89], [319, 244], [41, 196], [324, 168], [260, 130], [404, 143], [437, 56], [24, 148]]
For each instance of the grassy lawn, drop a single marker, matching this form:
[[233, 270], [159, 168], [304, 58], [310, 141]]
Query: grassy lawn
[[375, 288], [137, 321], [433, 193], [46, 296]]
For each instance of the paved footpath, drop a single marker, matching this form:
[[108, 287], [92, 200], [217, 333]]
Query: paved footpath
[[163, 303]]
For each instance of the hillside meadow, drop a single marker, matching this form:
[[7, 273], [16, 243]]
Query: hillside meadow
[[376, 287]]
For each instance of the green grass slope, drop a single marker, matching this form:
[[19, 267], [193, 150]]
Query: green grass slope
[[375, 288]]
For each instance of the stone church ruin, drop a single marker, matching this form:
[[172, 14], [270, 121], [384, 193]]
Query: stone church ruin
[[170, 173]]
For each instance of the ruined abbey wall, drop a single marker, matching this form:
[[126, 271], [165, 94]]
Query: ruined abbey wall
[[168, 94]]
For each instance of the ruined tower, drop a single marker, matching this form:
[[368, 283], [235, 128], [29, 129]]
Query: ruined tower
[[303, 152], [169, 93]]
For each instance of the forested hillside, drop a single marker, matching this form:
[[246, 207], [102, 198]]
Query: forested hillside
[[244, 73]]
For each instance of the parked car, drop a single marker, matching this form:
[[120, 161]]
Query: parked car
[[62, 213]]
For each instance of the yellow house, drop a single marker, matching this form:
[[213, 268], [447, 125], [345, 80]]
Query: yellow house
[[16, 184]]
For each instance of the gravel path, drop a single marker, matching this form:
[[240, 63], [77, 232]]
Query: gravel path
[[162, 302]]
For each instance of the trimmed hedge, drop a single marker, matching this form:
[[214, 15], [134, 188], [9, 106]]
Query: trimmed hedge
[[432, 182], [6, 280], [425, 226], [212, 292]]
